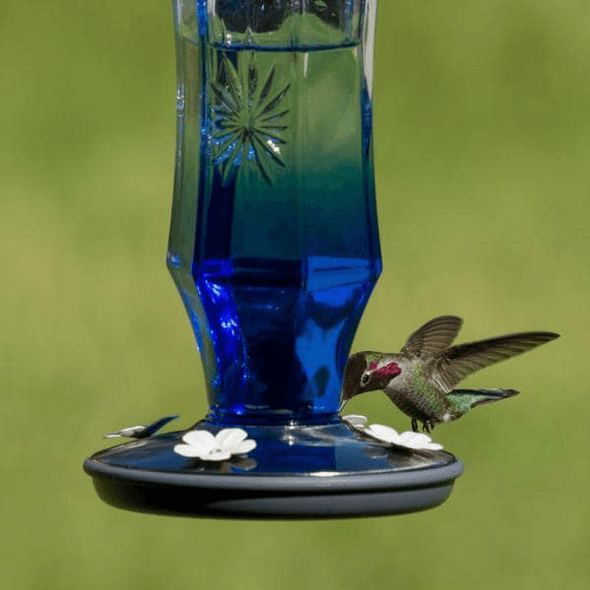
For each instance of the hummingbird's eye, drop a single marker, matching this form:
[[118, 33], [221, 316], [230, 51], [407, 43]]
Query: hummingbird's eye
[[365, 379]]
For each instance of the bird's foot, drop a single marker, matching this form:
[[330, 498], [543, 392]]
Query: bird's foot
[[428, 426]]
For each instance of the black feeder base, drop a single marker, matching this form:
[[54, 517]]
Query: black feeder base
[[294, 473]]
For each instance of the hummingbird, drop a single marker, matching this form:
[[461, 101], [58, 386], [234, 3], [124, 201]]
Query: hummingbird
[[420, 380], [142, 431]]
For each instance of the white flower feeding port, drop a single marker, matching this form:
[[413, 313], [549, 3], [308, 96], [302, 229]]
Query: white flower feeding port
[[410, 440], [417, 441], [203, 445]]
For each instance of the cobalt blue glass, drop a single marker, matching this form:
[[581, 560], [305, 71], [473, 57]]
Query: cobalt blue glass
[[273, 243]]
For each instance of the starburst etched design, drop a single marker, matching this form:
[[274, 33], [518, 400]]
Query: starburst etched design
[[247, 121]]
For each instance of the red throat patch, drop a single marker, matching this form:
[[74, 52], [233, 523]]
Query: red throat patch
[[390, 370]]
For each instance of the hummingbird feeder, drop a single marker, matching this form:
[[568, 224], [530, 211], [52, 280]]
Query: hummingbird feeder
[[274, 249]]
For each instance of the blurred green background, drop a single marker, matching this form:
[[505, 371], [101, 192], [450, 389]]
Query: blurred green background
[[482, 145]]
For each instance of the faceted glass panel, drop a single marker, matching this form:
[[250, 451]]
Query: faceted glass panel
[[273, 242]]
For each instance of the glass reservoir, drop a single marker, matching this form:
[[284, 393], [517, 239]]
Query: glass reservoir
[[273, 241]]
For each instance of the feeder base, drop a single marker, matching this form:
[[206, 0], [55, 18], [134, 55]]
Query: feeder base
[[295, 472]]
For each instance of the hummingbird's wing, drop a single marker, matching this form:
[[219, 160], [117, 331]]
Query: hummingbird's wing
[[433, 337], [454, 364]]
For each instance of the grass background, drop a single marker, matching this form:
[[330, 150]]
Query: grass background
[[482, 150]]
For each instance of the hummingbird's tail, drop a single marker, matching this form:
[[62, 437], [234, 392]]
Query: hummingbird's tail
[[462, 400]]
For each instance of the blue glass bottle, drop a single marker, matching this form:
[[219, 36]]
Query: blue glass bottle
[[273, 244]]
